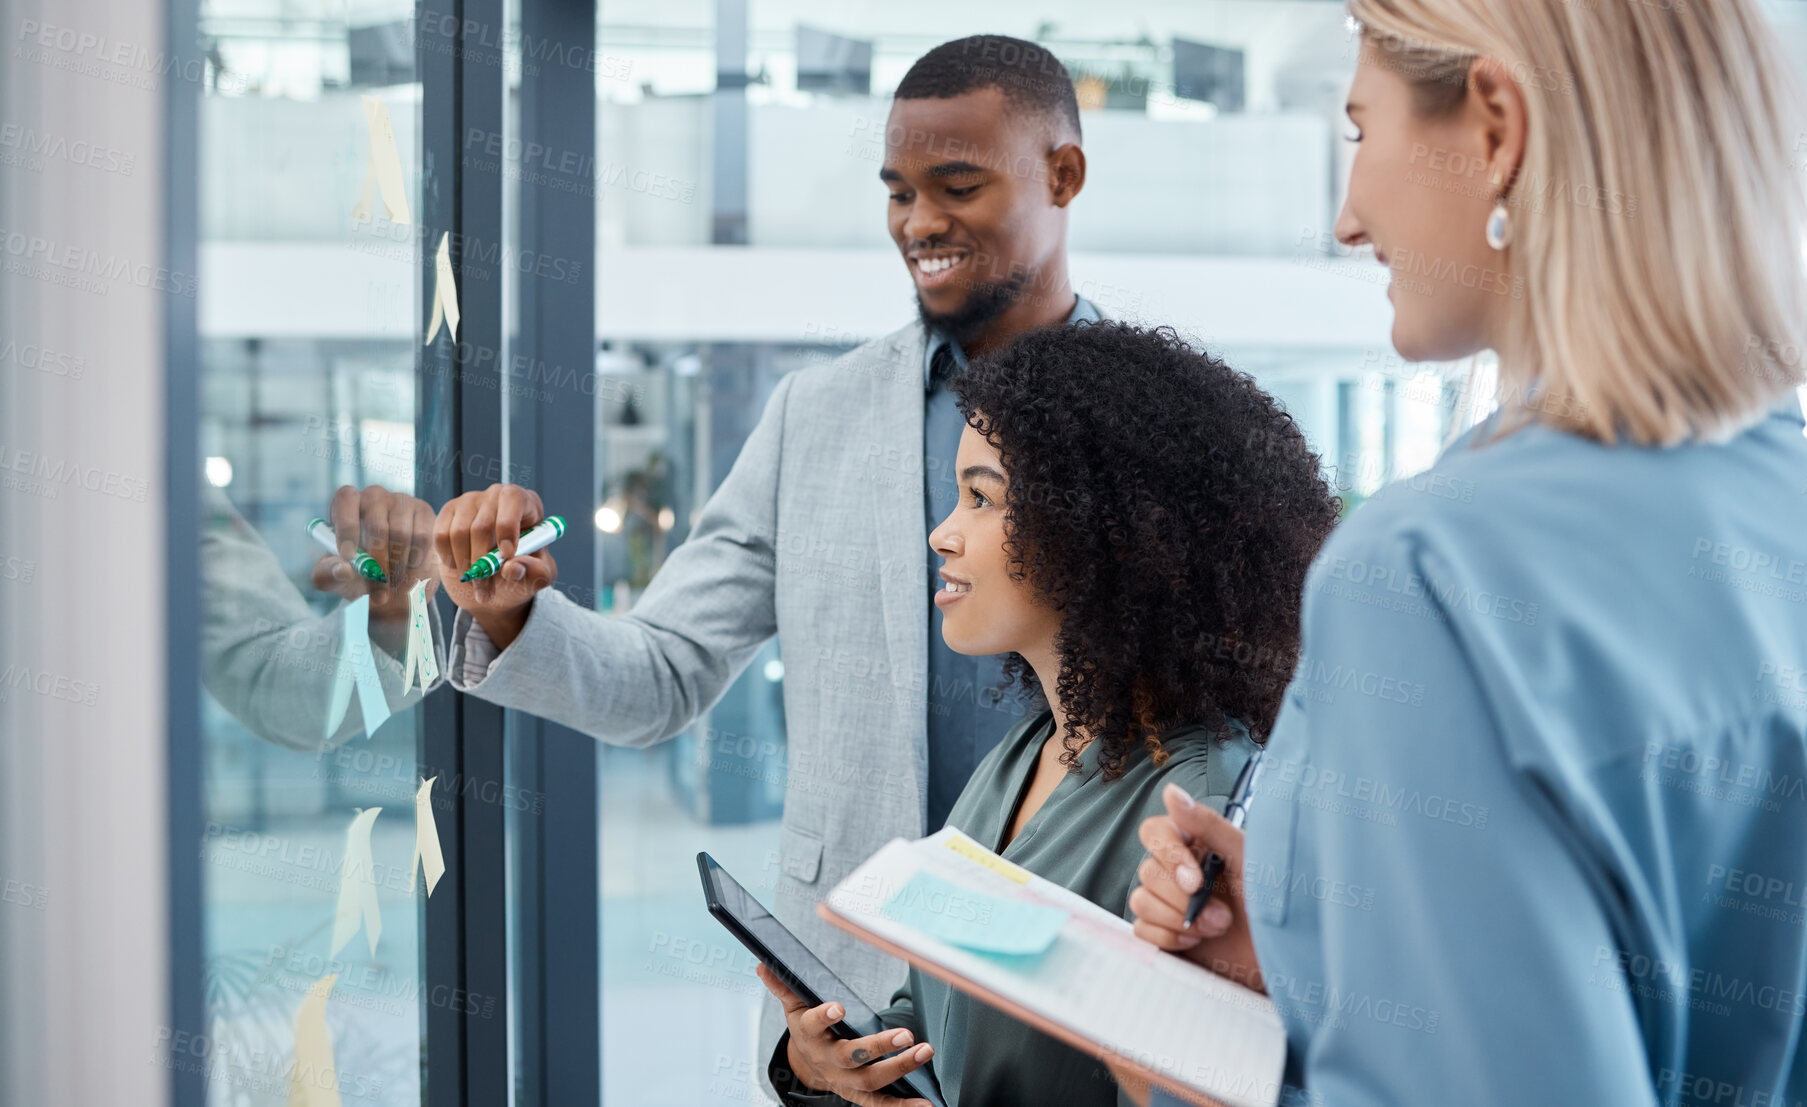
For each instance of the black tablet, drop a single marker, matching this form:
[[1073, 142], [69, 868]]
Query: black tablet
[[802, 971]]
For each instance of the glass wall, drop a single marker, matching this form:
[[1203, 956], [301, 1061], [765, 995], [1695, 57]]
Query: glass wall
[[310, 227]]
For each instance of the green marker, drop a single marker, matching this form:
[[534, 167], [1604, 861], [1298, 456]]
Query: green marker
[[533, 541], [366, 565]]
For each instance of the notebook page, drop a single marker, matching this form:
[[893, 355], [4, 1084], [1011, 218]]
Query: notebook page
[[1098, 980]]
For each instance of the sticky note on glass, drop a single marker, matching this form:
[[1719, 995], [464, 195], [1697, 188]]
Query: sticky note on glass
[[445, 292], [383, 172], [427, 854], [974, 920], [314, 1083], [357, 886], [419, 662], [356, 667]]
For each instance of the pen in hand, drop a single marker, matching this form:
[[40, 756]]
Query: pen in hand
[[535, 540], [322, 532], [1234, 812]]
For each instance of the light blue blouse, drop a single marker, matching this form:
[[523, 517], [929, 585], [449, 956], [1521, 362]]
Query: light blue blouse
[[1533, 821]]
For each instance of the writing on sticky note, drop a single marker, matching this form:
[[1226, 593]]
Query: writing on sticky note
[[974, 920]]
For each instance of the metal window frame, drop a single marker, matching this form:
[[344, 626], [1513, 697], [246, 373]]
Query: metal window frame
[[465, 998], [182, 499], [557, 845]]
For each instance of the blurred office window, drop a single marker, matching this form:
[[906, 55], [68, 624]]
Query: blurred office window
[[307, 384]]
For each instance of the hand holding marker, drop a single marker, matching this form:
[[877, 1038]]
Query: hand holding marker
[[535, 540], [366, 565]]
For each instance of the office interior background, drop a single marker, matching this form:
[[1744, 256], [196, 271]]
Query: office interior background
[[653, 211]]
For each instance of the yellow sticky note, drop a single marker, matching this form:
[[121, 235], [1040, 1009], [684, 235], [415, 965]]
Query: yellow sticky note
[[445, 292], [426, 840], [357, 886], [973, 851], [314, 1083], [383, 172]]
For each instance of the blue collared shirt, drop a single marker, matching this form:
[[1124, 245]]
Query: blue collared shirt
[[1084, 311], [966, 714], [1533, 820]]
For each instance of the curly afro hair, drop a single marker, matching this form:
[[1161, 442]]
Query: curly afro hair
[[1168, 508]]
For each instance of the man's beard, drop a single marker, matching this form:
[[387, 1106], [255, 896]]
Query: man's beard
[[985, 302]]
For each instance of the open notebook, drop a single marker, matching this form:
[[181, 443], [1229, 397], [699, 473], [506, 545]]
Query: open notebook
[[1064, 965]]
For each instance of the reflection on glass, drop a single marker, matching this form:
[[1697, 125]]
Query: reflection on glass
[[308, 403]]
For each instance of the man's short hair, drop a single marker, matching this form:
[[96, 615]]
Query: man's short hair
[[1032, 80]]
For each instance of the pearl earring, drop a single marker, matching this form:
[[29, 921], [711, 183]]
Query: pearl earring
[[1499, 221]]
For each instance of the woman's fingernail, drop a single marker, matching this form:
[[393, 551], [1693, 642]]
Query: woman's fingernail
[[835, 1012], [1188, 877], [1179, 795], [924, 1052], [901, 1039], [1216, 915]]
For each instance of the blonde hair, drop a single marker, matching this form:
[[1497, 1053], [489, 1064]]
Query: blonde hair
[[1659, 219]]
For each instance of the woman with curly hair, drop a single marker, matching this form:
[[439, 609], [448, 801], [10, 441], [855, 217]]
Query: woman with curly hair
[[1134, 527]]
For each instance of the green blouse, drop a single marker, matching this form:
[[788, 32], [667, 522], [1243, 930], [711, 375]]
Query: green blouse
[[1085, 838]]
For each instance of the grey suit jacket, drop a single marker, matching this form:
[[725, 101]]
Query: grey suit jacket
[[817, 536]]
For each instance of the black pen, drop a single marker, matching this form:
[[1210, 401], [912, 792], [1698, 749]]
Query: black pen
[[1234, 811]]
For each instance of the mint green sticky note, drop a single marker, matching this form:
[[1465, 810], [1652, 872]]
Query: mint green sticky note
[[357, 667], [973, 920]]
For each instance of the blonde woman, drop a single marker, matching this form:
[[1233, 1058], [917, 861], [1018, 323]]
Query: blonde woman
[[1564, 859]]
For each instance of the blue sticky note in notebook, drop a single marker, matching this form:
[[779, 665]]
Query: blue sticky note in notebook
[[974, 920]]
